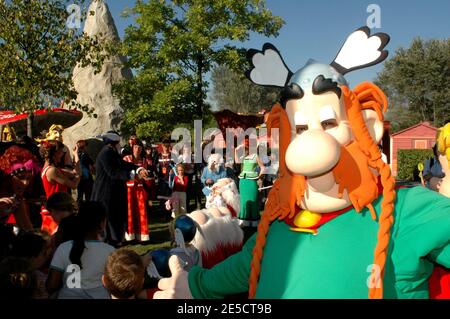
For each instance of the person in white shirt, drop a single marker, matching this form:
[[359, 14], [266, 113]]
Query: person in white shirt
[[77, 266]]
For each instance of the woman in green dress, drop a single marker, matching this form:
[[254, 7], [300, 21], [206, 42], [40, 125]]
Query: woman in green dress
[[252, 170]]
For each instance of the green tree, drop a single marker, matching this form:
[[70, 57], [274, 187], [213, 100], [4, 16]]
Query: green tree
[[172, 46], [417, 81], [38, 53], [233, 91]]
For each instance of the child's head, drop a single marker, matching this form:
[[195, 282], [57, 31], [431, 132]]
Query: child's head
[[60, 205], [17, 279], [91, 222], [33, 246], [124, 274], [92, 217], [180, 169], [68, 229]]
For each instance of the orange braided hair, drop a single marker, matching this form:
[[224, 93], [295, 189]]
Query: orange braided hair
[[368, 96], [281, 204]]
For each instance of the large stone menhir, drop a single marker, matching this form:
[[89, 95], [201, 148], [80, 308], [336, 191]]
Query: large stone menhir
[[95, 90]]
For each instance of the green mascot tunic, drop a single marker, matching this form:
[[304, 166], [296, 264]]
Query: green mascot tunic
[[337, 262]]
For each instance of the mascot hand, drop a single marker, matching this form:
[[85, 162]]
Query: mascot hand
[[177, 286]]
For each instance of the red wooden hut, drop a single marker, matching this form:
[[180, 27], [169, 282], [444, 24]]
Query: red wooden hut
[[419, 136]]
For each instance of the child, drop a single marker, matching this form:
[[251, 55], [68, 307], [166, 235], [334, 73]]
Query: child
[[59, 205], [183, 231], [77, 267], [34, 247], [124, 274], [179, 187]]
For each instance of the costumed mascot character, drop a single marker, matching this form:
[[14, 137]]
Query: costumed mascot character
[[219, 234], [225, 196], [334, 226]]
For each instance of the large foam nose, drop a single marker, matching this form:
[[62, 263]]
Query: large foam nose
[[312, 153]]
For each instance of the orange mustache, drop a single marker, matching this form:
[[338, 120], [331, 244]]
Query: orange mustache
[[352, 173]]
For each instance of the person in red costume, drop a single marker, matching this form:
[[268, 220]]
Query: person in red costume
[[17, 168], [56, 179], [137, 224]]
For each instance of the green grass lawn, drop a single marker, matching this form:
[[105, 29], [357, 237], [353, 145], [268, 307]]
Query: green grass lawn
[[158, 231]]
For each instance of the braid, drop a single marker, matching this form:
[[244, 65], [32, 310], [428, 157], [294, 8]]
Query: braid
[[386, 220], [362, 136], [286, 193], [255, 266]]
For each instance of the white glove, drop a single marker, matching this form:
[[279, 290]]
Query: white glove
[[177, 286]]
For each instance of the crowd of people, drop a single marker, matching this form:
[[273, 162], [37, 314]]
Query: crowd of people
[[63, 212]]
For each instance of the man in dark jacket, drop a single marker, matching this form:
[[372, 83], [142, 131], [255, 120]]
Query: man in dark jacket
[[110, 187]]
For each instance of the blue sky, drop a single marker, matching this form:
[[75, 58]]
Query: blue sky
[[317, 29]]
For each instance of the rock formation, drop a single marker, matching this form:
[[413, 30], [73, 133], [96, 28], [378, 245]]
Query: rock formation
[[95, 90]]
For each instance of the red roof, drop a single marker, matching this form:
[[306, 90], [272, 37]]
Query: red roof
[[424, 124]]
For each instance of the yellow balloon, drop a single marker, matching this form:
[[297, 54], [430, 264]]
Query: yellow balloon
[[420, 167]]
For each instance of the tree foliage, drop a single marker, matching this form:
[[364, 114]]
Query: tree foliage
[[233, 91], [417, 82], [172, 46], [38, 54]]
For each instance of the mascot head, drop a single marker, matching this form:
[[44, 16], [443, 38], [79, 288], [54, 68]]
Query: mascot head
[[329, 159]]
